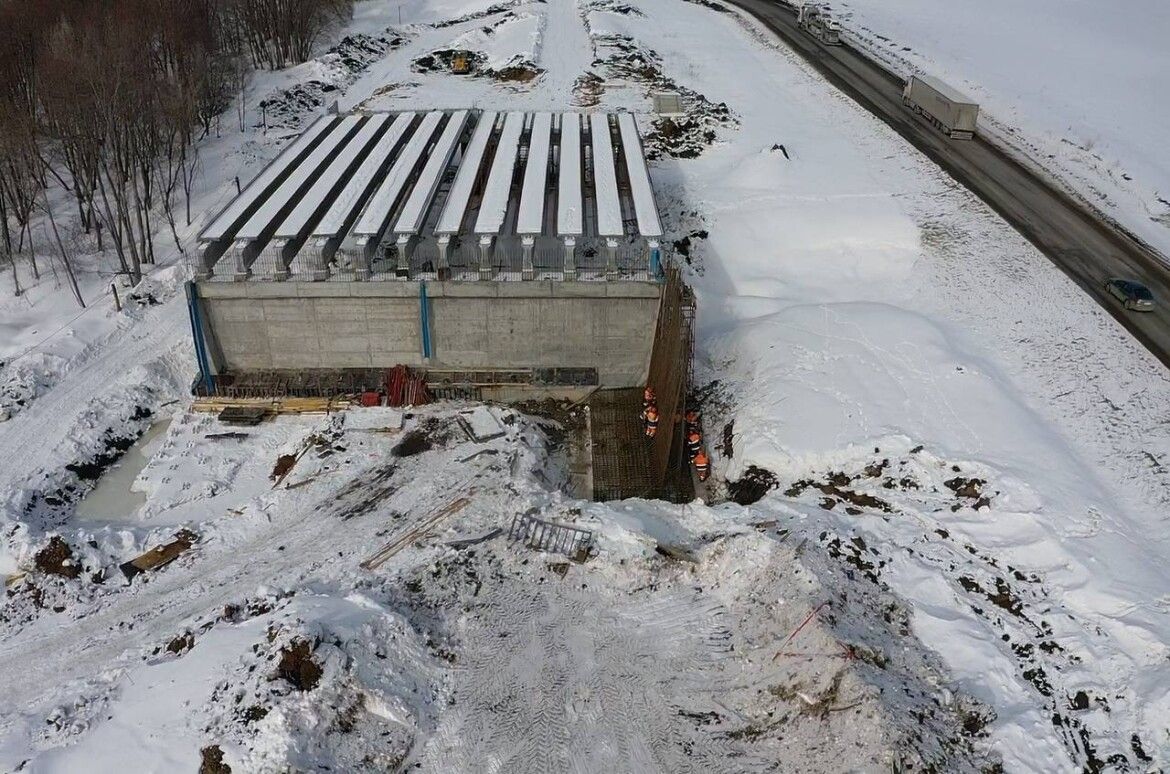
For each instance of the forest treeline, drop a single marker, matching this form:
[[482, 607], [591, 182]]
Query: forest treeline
[[106, 100]]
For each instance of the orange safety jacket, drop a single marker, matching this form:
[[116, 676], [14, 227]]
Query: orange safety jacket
[[694, 443]]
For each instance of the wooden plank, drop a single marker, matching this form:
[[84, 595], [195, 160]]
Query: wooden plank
[[160, 555], [401, 542]]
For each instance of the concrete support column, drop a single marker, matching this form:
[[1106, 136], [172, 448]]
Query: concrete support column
[[240, 253], [281, 271], [655, 258], [443, 266], [611, 270], [205, 266], [570, 263], [526, 244], [485, 257], [361, 260], [313, 262], [403, 269]]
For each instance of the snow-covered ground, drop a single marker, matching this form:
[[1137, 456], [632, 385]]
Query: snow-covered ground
[[961, 561], [1079, 88]]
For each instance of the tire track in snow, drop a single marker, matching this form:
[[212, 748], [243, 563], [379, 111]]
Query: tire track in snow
[[563, 689]]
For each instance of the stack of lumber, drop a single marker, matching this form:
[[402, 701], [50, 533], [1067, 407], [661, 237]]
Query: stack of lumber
[[275, 406]]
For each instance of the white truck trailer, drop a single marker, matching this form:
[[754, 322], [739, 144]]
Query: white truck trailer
[[953, 112], [814, 19]]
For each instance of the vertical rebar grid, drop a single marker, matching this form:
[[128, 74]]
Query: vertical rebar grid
[[670, 365]]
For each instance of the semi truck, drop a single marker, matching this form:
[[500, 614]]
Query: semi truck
[[814, 19], [951, 111]]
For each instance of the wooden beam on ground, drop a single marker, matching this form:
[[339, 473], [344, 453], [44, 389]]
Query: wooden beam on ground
[[160, 555], [408, 537]]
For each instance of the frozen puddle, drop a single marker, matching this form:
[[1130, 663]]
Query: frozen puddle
[[113, 499]]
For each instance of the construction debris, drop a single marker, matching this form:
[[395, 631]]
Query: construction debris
[[408, 537], [406, 388], [274, 406], [245, 416], [573, 542], [474, 541], [481, 424], [160, 555]]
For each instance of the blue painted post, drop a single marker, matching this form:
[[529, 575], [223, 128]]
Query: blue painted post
[[196, 315], [655, 263], [424, 314]]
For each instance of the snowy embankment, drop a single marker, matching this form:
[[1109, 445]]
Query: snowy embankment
[[687, 641], [1077, 88]]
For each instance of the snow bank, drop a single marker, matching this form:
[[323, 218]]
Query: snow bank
[[1079, 87]]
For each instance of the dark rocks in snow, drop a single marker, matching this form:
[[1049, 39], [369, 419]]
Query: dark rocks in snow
[[181, 644]]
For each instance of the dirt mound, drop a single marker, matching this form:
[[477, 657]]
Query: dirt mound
[[440, 61], [211, 761], [683, 137], [298, 667], [836, 490], [57, 559], [414, 442], [752, 486]]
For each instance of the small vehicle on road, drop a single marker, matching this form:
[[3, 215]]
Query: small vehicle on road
[[1133, 295]]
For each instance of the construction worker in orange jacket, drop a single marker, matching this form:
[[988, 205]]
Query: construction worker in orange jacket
[[694, 443], [648, 397], [651, 415], [692, 418], [702, 465]]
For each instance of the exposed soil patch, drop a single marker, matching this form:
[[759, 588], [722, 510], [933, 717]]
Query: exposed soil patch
[[114, 446], [211, 761], [498, 8], [284, 463], [297, 666], [518, 70], [728, 446], [57, 559], [836, 491], [683, 245], [414, 442], [970, 489], [752, 486], [352, 55], [587, 89], [675, 137], [181, 644], [440, 61]]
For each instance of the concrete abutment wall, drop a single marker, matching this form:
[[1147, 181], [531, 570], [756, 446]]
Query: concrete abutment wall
[[473, 325]]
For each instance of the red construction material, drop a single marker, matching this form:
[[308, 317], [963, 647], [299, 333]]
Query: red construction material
[[371, 399], [404, 388]]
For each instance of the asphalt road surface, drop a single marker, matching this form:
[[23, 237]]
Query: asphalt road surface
[[1085, 247]]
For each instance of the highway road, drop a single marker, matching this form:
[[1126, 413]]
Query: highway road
[[1079, 242]]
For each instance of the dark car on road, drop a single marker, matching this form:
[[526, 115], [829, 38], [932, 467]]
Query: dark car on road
[[1135, 296]]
